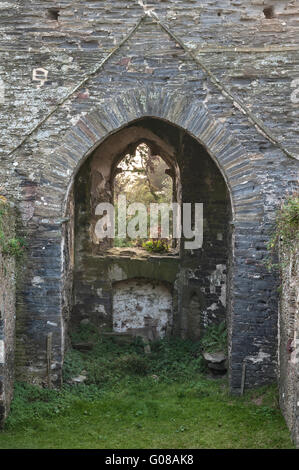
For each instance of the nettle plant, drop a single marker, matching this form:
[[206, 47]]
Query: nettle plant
[[11, 246], [286, 233]]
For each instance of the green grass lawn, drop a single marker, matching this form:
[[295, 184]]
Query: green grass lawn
[[133, 400]]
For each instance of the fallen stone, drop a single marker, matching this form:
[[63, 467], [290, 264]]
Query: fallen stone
[[215, 358], [216, 362], [79, 379]]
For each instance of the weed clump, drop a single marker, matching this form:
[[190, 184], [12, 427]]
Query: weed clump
[[170, 359], [156, 246], [9, 245], [215, 338], [133, 363], [286, 232]]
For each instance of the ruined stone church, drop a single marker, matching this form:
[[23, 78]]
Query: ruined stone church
[[212, 86]]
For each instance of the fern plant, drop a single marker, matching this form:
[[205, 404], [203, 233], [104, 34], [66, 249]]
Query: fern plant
[[215, 338]]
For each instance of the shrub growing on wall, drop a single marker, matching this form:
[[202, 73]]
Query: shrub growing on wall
[[9, 244], [286, 233]]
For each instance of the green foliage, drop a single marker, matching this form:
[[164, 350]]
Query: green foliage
[[201, 389], [84, 333], [175, 360], [142, 413], [73, 364], [156, 246], [286, 233], [10, 246], [133, 363], [171, 359], [32, 403], [123, 242], [215, 338], [133, 400], [266, 412], [13, 246], [98, 373], [142, 179]]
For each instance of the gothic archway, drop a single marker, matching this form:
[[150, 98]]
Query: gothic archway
[[246, 203], [201, 271]]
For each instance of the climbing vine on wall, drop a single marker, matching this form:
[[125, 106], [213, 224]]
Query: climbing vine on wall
[[9, 244], [286, 233]]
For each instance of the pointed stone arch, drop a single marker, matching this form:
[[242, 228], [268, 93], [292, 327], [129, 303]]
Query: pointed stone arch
[[181, 110], [192, 116], [247, 340]]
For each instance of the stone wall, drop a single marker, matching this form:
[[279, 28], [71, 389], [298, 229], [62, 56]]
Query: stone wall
[[223, 70], [289, 342], [7, 314]]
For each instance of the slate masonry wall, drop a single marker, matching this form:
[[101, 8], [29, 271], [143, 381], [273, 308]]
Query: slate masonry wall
[[225, 72]]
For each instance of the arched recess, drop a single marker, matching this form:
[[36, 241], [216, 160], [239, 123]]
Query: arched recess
[[203, 269], [223, 148], [183, 111]]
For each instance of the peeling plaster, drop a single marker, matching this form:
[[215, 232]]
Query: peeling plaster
[[138, 304]]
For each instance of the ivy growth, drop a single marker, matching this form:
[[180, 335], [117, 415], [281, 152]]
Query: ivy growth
[[11, 246], [286, 233]]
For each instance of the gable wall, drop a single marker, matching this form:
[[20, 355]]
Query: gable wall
[[248, 58]]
